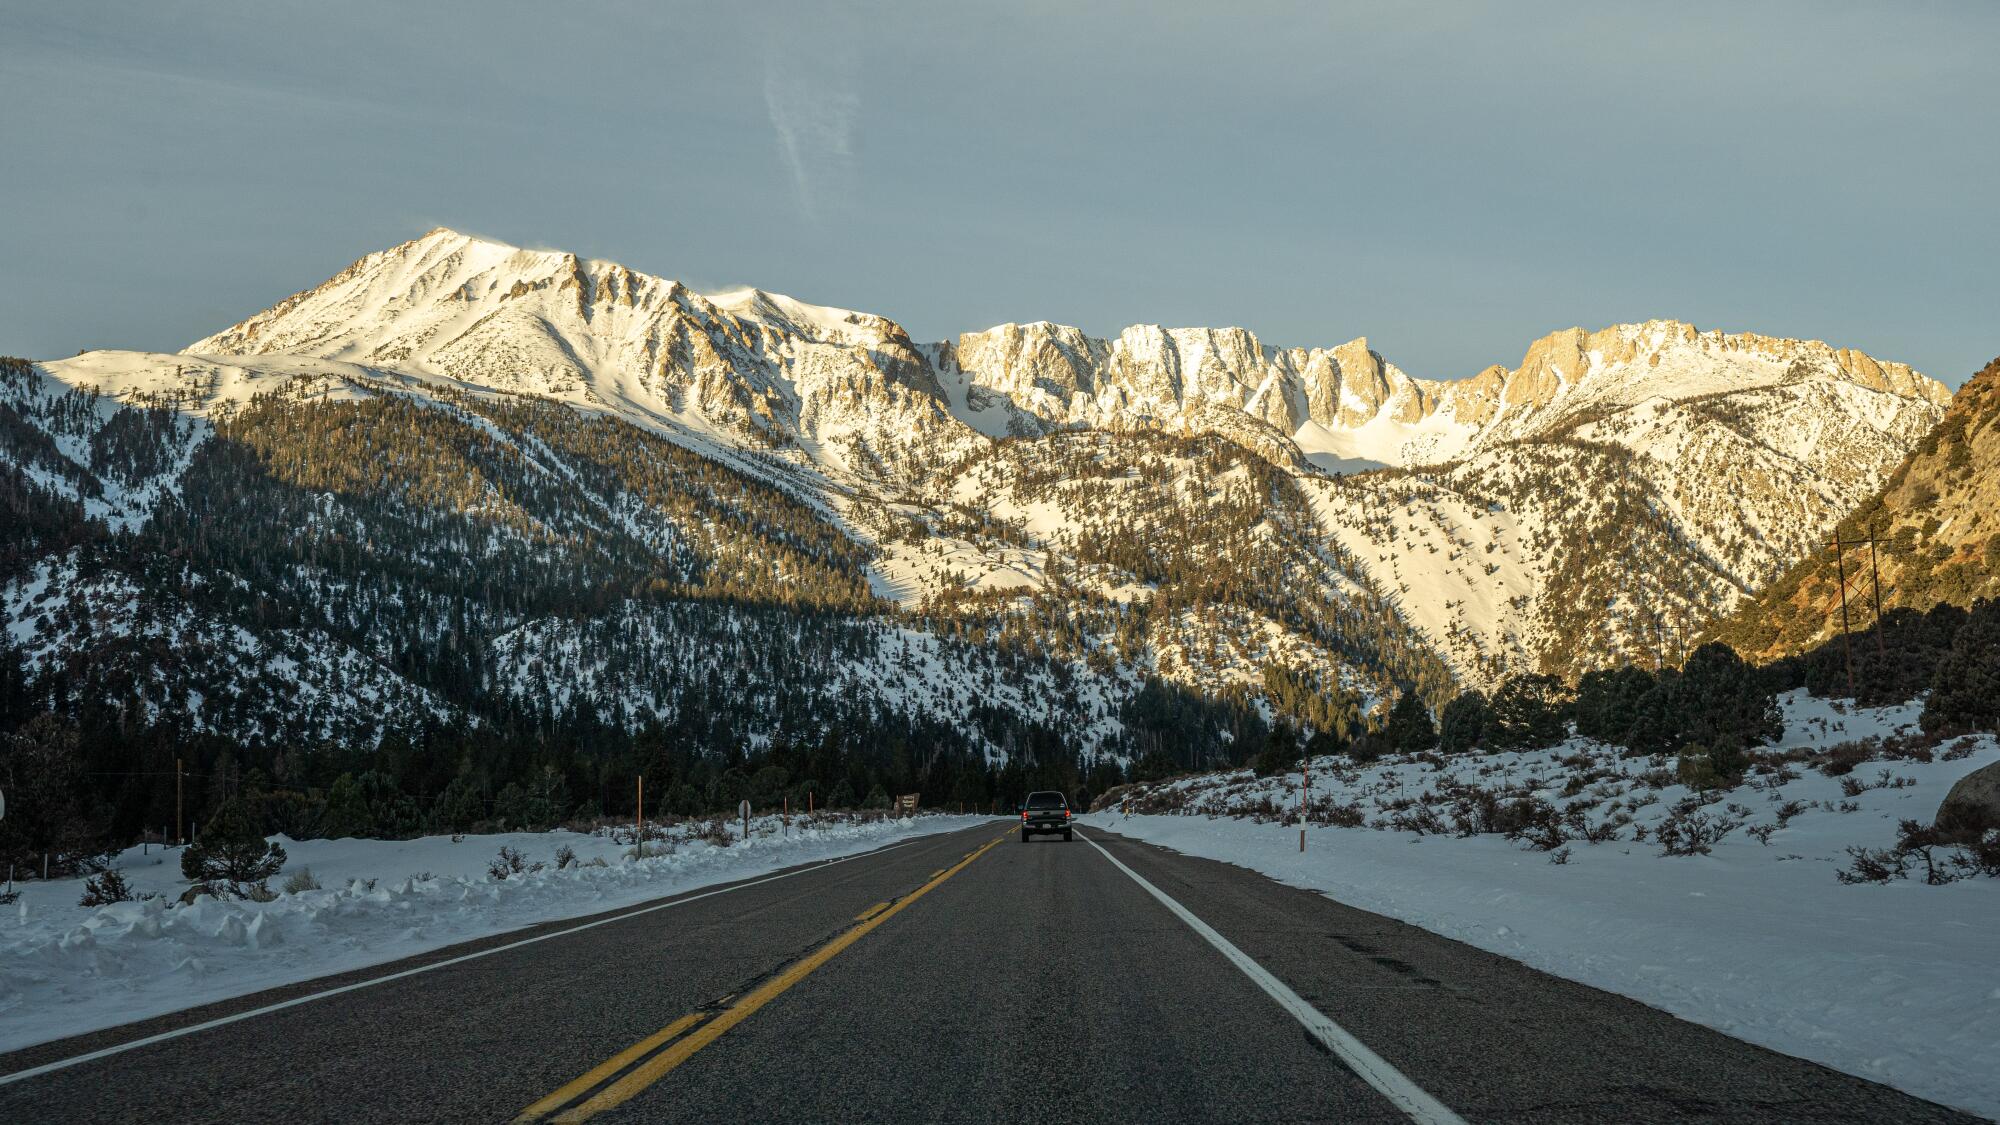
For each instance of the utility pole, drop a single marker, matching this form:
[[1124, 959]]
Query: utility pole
[[1305, 793], [179, 820], [640, 847], [1846, 638], [1875, 584]]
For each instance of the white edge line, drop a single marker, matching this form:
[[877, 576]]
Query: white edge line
[[1371, 1067], [176, 1033]]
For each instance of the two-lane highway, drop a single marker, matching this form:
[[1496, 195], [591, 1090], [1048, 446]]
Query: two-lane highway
[[961, 977]]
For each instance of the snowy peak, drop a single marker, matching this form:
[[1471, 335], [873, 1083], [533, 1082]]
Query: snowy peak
[[859, 396], [753, 367], [1350, 403], [390, 305], [1572, 370]]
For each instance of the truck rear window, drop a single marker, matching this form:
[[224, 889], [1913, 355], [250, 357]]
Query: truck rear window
[[1045, 800]]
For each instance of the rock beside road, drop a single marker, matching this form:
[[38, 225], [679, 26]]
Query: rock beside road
[[1974, 802]]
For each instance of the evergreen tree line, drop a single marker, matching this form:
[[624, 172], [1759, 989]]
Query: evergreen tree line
[[81, 786], [1715, 704]]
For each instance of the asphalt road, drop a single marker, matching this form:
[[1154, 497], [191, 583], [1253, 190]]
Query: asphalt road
[[946, 980]]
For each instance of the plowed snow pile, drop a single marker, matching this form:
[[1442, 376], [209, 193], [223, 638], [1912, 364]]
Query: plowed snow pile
[[65, 970]]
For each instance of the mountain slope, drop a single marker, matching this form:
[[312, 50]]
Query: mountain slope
[[333, 559], [1349, 406], [1937, 519], [523, 486], [753, 368]]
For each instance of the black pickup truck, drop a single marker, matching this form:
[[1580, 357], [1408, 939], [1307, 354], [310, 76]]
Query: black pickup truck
[[1045, 812]]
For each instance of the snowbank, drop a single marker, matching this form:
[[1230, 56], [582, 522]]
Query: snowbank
[[1898, 983], [65, 970]]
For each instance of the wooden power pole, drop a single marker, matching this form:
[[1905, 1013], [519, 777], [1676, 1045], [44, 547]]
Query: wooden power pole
[[180, 821], [1875, 585], [1846, 638]]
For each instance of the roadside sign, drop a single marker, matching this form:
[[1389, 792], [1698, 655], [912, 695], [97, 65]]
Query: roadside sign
[[907, 803]]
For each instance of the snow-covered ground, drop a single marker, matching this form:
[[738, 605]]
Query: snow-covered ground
[[1897, 982], [65, 969]]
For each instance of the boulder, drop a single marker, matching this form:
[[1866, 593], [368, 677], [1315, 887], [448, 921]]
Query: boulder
[[1973, 803]]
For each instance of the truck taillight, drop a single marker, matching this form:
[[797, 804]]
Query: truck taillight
[[1065, 814], [1024, 814]]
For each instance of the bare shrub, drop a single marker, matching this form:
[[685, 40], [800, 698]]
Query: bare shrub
[[1959, 849], [506, 865], [1334, 814], [105, 889], [1604, 831], [1872, 866], [1839, 761], [301, 881], [1420, 818], [1536, 823], [1689, 830], [1962, 748]]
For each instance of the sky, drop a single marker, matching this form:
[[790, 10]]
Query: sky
[[1450, 180]]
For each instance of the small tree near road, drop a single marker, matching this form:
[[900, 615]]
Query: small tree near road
[[232, 850]]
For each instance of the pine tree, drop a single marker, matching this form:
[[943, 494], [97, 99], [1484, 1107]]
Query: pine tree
[[1607, 701], [232, 850], [1280, 753], [347, 812], [459, 808], [1965, 687], [1409, 728], [1463, 723], [1528, 713]]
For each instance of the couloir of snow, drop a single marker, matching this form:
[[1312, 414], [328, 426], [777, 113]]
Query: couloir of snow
[[66, 970], [1897, 983]]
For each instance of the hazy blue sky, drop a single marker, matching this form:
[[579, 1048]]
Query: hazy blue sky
[[1450, 182]]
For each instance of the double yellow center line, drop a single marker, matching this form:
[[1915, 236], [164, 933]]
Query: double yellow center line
[[621, 1077]]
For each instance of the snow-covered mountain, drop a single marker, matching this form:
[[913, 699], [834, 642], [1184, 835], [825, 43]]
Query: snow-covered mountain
[[751, 368], [1347, 406], [1292, 529]]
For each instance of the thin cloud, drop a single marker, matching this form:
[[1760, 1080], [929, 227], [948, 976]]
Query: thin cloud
[[811, 98]]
